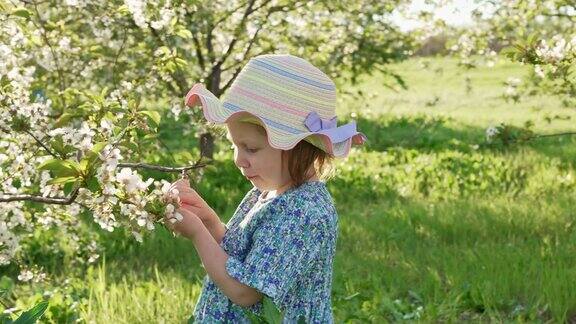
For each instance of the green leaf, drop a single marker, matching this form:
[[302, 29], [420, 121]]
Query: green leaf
[[6, 284], [98, 147], [68, 187], [63, 180], [92, 154], [271, 313], [61, 168], [110, 116], [93, 185], [84, 165], [95, 49], [254, 318], [6, 319], [184, 33], [22, 12], [63, 120], [180, 62], [154, 116], [62, 149], [123, 10], [32, 315]]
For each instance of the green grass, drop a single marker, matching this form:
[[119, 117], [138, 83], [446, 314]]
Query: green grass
[[431, 228]]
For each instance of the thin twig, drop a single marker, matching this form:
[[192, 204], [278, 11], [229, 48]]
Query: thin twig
[[46, 200], [41, 144], [237, 32], [114, 70]]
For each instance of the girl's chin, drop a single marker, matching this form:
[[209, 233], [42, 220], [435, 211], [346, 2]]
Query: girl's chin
[[252, 179]]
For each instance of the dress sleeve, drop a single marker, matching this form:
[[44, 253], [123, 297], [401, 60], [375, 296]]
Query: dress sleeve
[[282, 249]]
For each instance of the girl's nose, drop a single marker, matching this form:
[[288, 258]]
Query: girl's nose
[[240, 160]]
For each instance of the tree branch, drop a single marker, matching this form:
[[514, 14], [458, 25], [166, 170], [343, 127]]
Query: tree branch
[[114, 70], [237, 33], [42, 144], [46, 200], [199, 52], [249, 47], [228, 14], [209, 46]]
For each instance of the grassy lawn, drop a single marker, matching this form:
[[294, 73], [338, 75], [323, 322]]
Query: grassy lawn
[[432, 228]]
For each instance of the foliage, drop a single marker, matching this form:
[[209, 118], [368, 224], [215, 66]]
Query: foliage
[[26, 317]]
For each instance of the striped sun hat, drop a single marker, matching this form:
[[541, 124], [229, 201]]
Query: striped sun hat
[[292, 99]]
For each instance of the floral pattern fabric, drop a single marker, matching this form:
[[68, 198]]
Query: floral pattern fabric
[[282, 246]]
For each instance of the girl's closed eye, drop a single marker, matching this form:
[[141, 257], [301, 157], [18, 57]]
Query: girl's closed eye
[[246, 148], [251, 150]]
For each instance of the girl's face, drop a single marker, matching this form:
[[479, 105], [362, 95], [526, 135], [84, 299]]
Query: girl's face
[[260, 163]]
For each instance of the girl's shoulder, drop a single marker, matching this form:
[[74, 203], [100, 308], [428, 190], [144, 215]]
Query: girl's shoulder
[[310, 202], [250, 198]]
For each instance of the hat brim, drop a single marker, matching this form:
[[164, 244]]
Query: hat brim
[[216, 112]]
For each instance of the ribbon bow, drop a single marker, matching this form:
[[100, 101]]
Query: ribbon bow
[[315, 123]]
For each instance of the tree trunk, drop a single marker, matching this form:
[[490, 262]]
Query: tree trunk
[[207, 145], [207, 138]]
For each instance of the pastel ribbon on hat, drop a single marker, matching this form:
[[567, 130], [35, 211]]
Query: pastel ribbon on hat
[[328, 127], [314, 123]]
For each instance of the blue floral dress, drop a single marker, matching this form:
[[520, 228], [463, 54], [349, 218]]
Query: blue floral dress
[[283, 247]]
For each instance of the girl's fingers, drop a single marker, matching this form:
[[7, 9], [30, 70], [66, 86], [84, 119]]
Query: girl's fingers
[[185, 212], [181, 183], [180, 187]]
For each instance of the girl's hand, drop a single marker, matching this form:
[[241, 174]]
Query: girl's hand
[[191, 201], [188, 226]]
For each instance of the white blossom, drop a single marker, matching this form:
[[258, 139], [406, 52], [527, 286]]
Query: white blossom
[[131, 180], [25, 276], [491, 132], [539, 71]]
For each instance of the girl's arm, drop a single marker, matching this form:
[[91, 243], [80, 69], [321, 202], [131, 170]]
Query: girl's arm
[[214, 260]]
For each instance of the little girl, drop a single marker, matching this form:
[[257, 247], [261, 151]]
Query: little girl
[[280, 242]]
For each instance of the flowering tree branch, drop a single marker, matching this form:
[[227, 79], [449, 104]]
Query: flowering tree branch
[[68, 200]]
